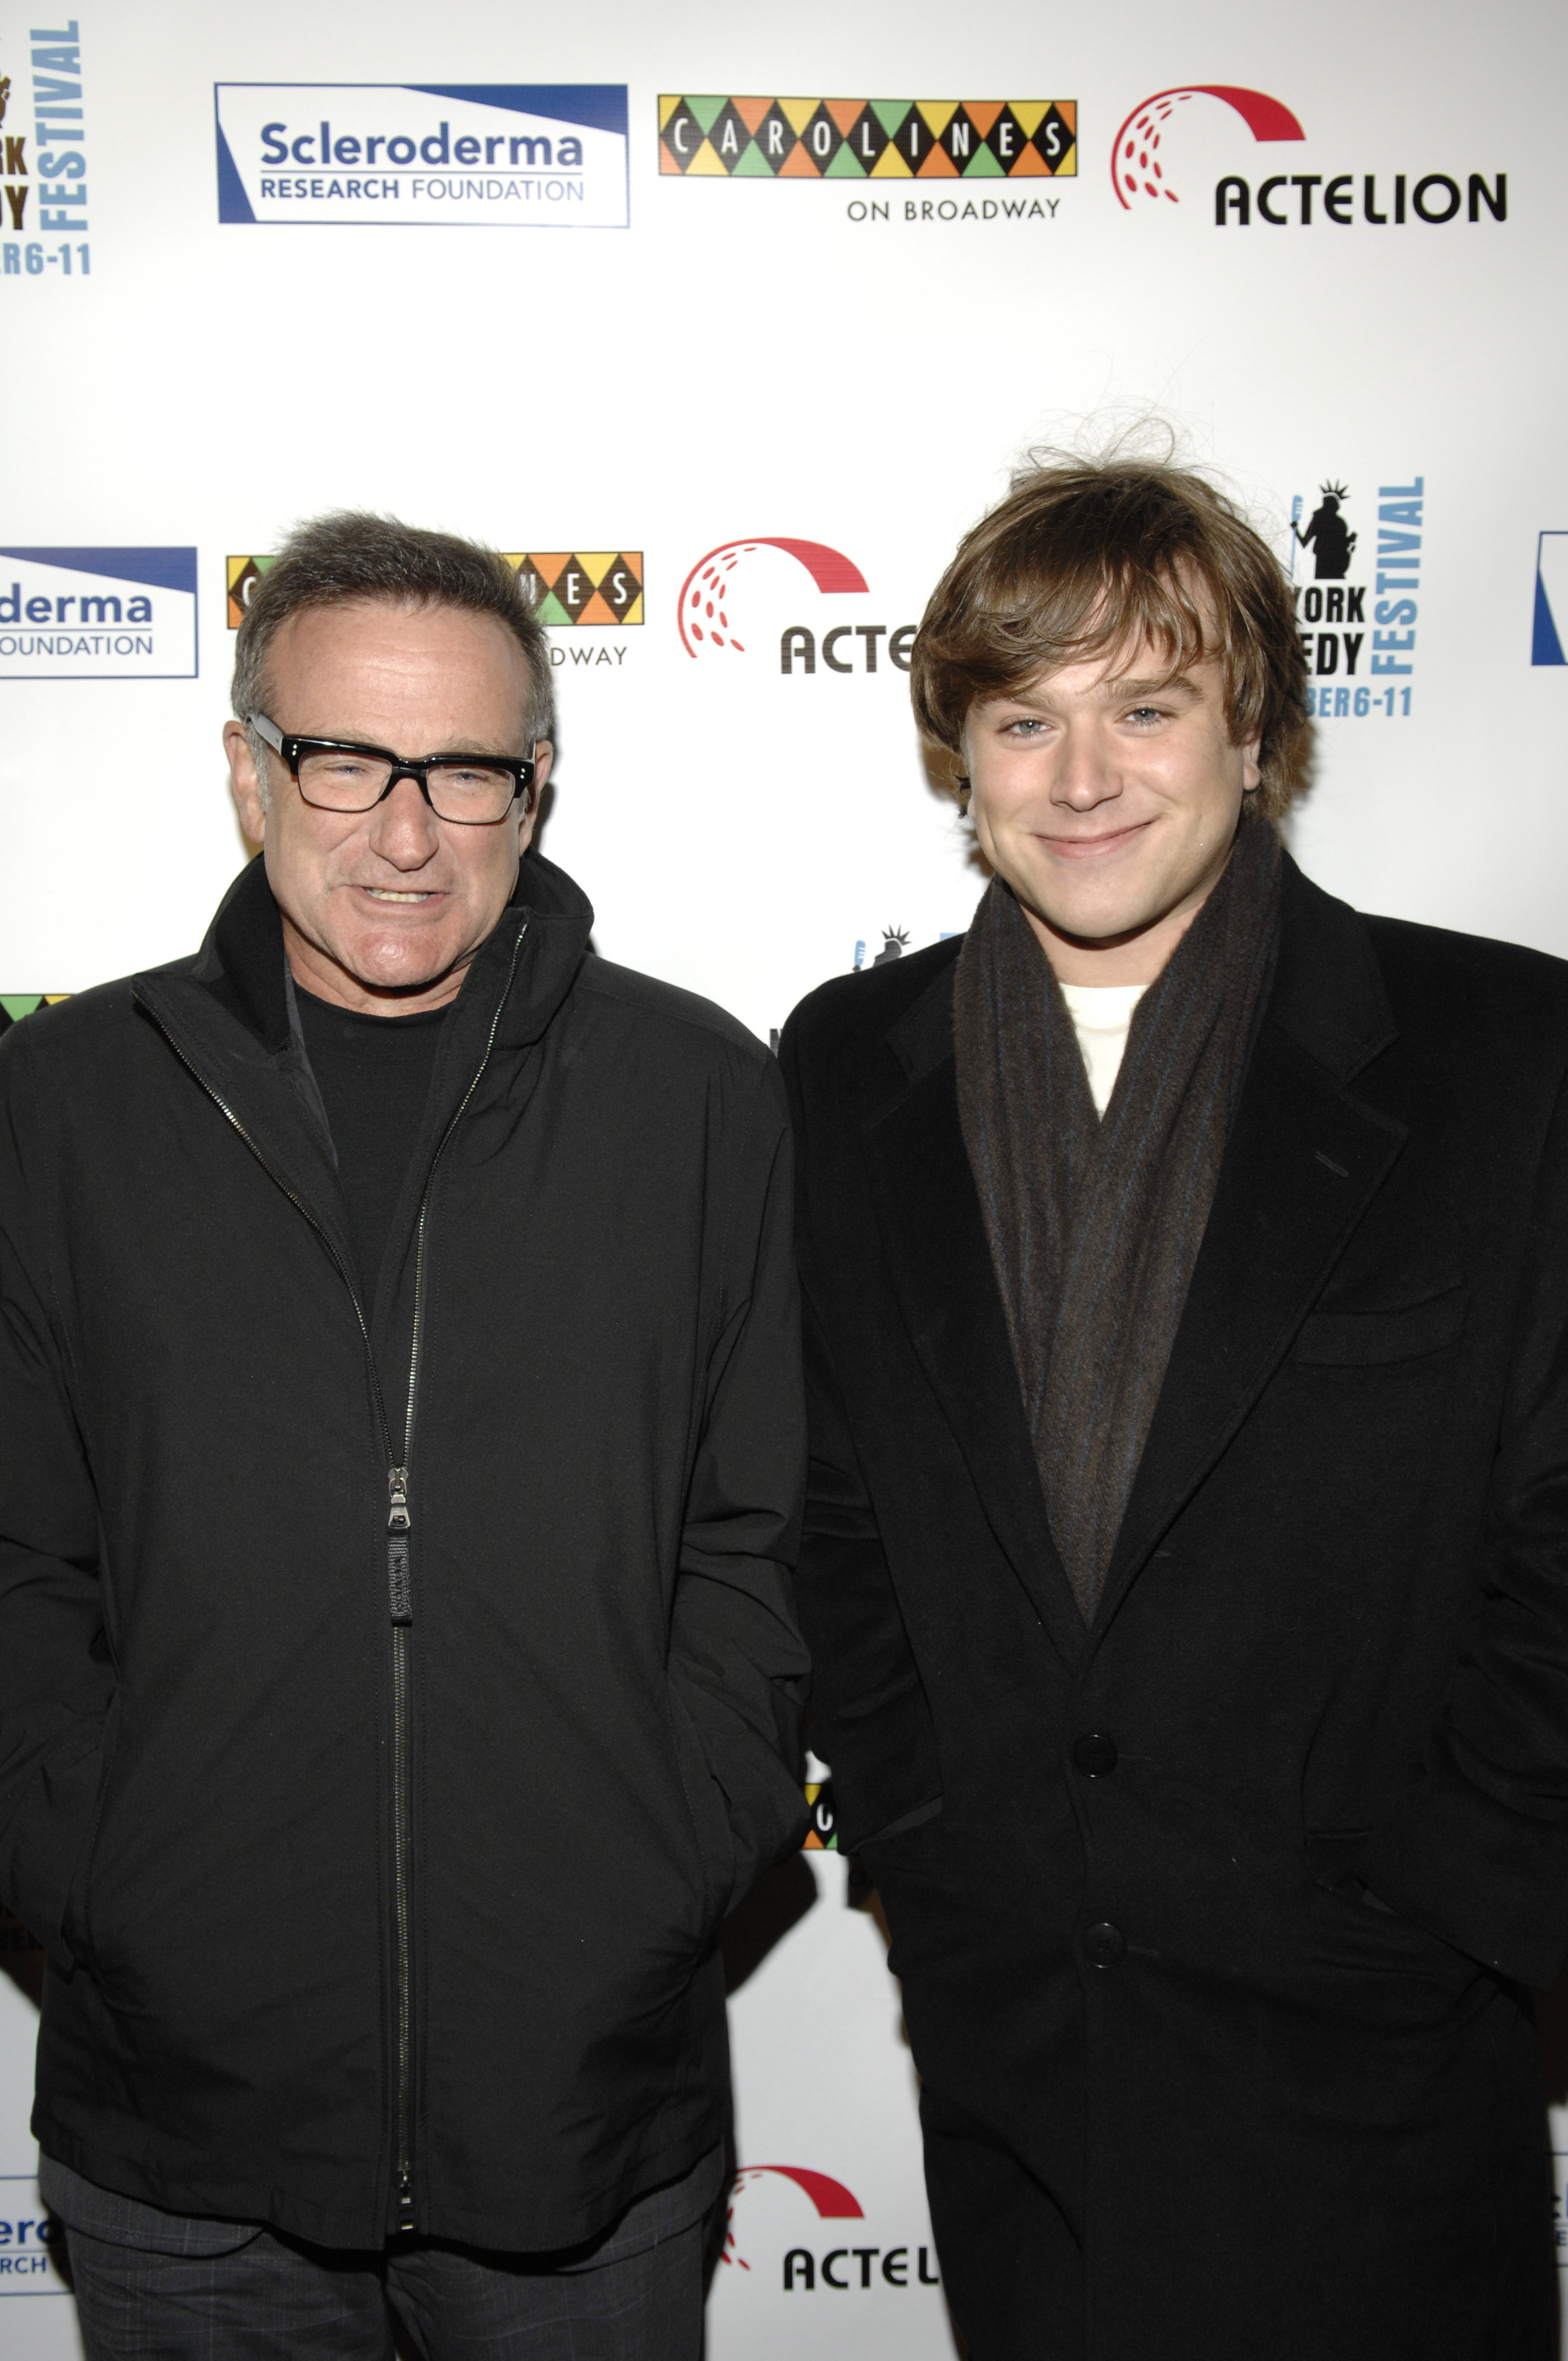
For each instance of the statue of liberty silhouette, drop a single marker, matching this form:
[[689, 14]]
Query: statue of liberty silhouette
[[1326, 527]]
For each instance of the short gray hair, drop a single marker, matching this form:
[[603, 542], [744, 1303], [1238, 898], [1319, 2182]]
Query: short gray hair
[[351, 556]]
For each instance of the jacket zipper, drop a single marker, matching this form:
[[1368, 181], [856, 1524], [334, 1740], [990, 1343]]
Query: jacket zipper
[[399, 1592], [400, 1601]]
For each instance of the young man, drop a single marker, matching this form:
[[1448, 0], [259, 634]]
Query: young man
[[402, 1449], [1185, 1263]]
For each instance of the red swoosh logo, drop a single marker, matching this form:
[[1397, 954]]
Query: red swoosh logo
[[1264, 118], [828, 569], [832, 2199]]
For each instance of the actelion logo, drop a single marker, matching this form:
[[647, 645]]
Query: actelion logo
[[839, 2269], [708, 591], [1139, 168], [735, 598]]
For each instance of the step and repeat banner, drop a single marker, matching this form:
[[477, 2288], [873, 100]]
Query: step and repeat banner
[[724, 324]]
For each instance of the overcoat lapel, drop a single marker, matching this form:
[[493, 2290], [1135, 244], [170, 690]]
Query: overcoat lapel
[[941, 1267], [1304, 1160]]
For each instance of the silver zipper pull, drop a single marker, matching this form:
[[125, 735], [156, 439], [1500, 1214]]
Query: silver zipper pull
[[398, 1522]]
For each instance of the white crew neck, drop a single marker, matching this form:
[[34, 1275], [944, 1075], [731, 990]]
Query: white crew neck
[[1101, 1014]]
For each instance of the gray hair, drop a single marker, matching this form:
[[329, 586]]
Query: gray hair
[[351, 556]]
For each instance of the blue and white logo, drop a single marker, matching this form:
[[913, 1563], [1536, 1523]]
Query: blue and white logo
[[97, 614], [1549, 643], [461, 155], [29, 2239]]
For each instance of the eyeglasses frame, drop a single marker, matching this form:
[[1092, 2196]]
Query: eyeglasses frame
[[292, 747]]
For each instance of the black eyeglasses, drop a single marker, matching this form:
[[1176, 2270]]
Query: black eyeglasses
[[469, 790]]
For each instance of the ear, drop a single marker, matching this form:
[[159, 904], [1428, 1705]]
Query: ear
[[244, 786], [544, 756], [1252, 774]]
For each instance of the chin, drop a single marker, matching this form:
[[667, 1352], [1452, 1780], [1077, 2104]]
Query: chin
[[402, 967]]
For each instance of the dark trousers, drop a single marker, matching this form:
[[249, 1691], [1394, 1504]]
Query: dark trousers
[[273, 2298], [207, 2292]]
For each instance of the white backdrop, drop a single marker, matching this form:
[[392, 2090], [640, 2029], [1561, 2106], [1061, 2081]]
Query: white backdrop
[[634, 356]]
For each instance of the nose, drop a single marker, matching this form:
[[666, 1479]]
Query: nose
[[1085, 773], [403, 829]]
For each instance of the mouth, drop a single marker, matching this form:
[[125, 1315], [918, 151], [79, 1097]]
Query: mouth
[[397, 894], [1092, 848]]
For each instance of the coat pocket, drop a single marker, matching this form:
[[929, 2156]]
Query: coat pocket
[[1403, 1333]]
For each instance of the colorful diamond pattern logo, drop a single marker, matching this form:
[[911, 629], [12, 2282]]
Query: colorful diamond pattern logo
[[822, 1836], [584, 585], [15, 1005], [243, 574], [868, 138], [593, 585]]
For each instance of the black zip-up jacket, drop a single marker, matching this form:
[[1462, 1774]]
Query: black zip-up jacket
[[389, 1718]]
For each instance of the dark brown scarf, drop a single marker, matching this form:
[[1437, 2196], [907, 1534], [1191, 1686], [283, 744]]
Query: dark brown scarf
[[1094, 1224]]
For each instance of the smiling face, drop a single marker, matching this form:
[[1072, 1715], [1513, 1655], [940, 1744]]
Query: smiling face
[[384, 910], [1108, 800]]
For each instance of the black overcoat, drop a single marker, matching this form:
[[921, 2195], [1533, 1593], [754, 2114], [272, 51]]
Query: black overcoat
[[364, 1851], [1215, 1920]]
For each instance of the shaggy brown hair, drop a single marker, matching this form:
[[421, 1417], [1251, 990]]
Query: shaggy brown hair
[[1081, 560]]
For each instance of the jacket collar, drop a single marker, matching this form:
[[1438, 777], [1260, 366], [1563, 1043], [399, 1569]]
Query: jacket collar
[[1327, 994], [225, 1015], [241, 964], [1304, 1159]]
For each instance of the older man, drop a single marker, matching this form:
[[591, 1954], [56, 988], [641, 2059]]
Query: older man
[[1186, 1260], [397, 1674]]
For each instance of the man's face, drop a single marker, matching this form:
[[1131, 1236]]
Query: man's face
[[1109, 805], [391, 901]]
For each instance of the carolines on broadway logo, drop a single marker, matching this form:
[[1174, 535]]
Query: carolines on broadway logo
[[1356, 566], [869, 138], [1170, 145], [567, 586], [14, 1007], [746, 599], [97, 614], [485, 155]]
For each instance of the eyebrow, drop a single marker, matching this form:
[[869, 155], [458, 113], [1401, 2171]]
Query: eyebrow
[[1117, 691], [1180, 680]]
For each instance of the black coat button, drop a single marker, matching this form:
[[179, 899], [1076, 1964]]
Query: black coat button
[[1105, 1945], [1095, 1754]]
